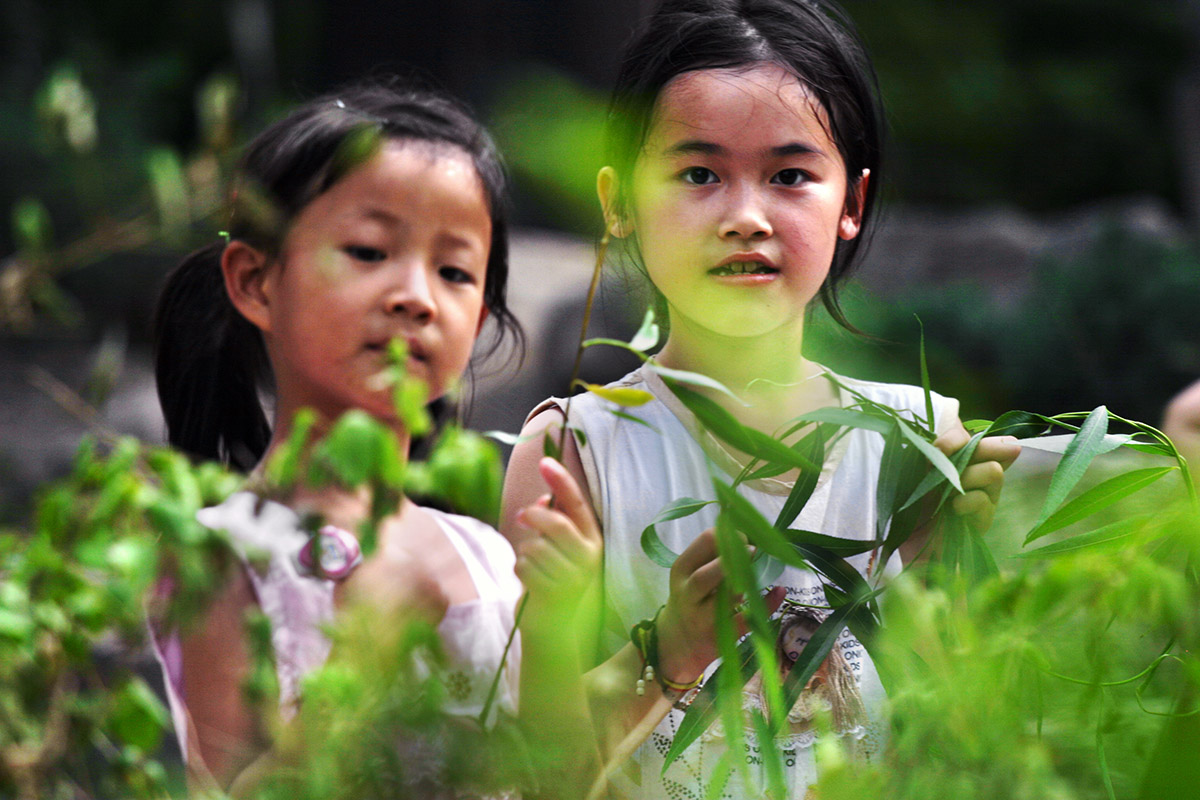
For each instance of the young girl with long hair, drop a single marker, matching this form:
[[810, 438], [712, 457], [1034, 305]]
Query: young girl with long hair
[[367, 216], [743, 170]]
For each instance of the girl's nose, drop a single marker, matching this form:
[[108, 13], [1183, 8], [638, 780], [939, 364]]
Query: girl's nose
[[745, 217], [410, 296]]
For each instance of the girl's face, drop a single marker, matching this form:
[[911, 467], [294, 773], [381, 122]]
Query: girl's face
[[738, 199], [396, 249]]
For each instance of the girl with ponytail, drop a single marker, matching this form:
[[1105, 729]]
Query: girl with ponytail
[[364, 217]]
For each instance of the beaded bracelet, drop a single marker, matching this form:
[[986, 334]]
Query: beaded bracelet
[[644, 636]]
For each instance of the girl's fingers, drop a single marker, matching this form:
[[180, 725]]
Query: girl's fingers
[[952, 440], [542, 554], [977, 506], [568, 497], [1001, 449], [987, 476], [554, 526], [701, 583], [700, 552]]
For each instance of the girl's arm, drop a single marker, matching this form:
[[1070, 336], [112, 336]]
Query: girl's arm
[[216, 663]]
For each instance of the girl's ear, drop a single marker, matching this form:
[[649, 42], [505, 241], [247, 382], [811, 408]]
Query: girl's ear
[[856, 197], [245, 271], [606, 188]]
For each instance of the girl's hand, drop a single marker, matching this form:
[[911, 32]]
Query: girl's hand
[[1181, 421], [687, 637], [983, 478], [561, 561]]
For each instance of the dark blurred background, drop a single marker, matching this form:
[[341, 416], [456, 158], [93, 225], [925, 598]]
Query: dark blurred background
[[1042, 189]]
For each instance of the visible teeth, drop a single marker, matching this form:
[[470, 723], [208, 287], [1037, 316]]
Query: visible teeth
[[743, 268]]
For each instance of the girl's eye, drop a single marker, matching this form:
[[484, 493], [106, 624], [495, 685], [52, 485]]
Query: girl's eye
[[699, 176], [790, 177], [456, 275], [361, 253]]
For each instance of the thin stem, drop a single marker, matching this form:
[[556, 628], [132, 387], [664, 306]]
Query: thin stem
[[601, 252]]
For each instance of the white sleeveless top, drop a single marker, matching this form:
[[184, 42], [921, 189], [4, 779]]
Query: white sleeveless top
[[634, 470], [298, 607]]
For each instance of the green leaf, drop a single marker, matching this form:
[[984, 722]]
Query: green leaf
[[925, 386], [722, 424], [834, 544], [936, 457], [648, 334], [1103, 535], [744, 517], [138, 717], [679, 376], [850, 418], [550, 446], [1020, 424], [632, 418], [933, 478], [624, 396], [703, 708], [813, 448], [1086, 445], [979, 563], [32, 230], [1098, 498], [169, 186], [464, 470], [655, 550]]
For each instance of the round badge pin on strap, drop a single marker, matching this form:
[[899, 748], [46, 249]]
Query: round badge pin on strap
[[332, 553]]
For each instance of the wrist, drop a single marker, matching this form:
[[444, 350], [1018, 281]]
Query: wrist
[[678, 661]]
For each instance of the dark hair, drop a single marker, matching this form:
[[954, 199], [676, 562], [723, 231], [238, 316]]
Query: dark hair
[[813, 39], [211, 363]]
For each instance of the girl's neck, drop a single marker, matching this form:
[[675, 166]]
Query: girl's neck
[[768, 373]]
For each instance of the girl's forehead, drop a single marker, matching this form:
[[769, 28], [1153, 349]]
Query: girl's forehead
[[761, 98]]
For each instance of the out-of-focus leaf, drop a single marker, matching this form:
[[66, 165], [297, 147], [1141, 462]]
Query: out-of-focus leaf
[[550, 446], [1108, 533], [170, 188], [632, 418], [1087, 444], [624, 396], [648, 334], [464, 469], [1098, 498], [33, 233], [745, 518], [936, 457], [138, 717], [679, 376]]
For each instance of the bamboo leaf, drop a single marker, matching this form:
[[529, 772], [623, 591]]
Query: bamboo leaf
[[979, 564], [722, 424], [833, 544], [850, 418], [693, 379], [960, 460], [929, 419], [653, 546], [1103, 535], [806, 482], [632, 418], [648, 334], [936, 457], [891, 463], [744, 517], [624, 396], [703, 708], [1087, 444], [1058, 444], [1020, 424], [550, 446], [1098, 498]]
